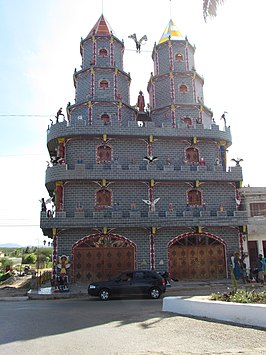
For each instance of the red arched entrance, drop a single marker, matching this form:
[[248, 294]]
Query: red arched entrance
[[101, 256], [197, 256]]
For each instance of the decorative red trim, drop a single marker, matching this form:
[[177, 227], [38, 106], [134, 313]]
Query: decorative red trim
[[152, 253], [54, 257], [90, 116], [94, 52], [92, 85], [173, 118], [194, 89], [111, 53]]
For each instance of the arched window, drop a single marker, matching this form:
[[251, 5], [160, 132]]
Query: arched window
[[183, 88], [104, 154], [192, 155], [104, 84], [194, 197], [103, 198], [105, 118], [187, 121], [103, 52], [179, 56]]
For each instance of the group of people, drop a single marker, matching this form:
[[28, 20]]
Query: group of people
[[240, 269]]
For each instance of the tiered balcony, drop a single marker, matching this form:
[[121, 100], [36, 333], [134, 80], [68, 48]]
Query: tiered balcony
[[117, 172], [132, 129], [117, 218]]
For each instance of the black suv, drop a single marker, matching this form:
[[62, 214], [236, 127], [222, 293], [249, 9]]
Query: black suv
[[142, 282]]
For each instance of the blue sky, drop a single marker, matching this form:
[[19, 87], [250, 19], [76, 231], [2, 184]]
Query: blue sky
[[39, 46]]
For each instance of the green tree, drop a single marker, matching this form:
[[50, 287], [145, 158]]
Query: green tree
[[210, 8], [29, 259]]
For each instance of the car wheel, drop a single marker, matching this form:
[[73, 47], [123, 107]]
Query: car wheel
[[155, 293], [104, 294]]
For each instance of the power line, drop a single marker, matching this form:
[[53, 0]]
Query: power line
[[19, 225], [22, 155], [2, 115]]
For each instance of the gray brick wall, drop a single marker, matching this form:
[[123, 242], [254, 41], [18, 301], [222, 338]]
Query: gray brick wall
[[128, 175]]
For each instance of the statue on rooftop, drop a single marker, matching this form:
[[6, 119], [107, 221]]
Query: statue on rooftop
[[141, 102], [59, 113]]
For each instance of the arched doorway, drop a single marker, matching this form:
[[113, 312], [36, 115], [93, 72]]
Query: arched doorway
[[101, 256], [104, 154], [197, 256], [192, 155]]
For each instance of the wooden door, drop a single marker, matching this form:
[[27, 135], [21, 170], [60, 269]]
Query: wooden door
[[253, 253], [197, 262], [95, 264]]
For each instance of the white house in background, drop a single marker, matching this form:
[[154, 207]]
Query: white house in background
[[254, 243]]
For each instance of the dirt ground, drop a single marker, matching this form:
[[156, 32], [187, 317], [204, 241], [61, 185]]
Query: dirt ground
[[18, 286]]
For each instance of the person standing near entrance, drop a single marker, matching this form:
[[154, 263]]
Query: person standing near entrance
[[260, 269], [237, 266]]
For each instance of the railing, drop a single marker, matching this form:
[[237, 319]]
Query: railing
[[163, 172]]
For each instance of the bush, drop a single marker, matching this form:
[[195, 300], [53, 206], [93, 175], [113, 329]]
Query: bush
[[5, 276], [241, 296]]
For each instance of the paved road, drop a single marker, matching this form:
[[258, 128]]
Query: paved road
[[131, 326]]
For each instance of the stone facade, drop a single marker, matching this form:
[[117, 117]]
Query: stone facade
[[108, 170]]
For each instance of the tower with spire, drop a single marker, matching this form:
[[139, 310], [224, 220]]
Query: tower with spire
[[136, 188]]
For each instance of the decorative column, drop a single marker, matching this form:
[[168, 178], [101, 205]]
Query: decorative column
[[152, 95], [223, 154], [172, 86], [90, 113], [61, 148], [200, 114], [112, 51], [115, 84], [187, 66], [194, 86], [173, 115], [92, 82], [150, 193], [119, 113], [94, 50], [58, 196], [170, 55], [152, 252], [149, 146], [54, 254]]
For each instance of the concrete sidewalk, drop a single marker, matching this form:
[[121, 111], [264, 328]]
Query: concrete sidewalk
[[180, 288]]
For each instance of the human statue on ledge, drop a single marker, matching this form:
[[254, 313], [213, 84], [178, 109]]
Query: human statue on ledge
[[59, 113], [141, 102]]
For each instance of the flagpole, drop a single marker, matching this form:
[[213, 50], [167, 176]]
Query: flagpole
[[170, 9]]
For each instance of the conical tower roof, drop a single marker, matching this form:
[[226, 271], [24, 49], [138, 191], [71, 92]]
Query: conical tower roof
[[101, 27], [172, 31]]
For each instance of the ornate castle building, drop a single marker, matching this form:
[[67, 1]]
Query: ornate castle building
[[145, 187]]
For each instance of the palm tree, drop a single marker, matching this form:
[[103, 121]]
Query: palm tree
[[210, 8]]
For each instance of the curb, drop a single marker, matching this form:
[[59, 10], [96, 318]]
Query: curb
[[15, 298]]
